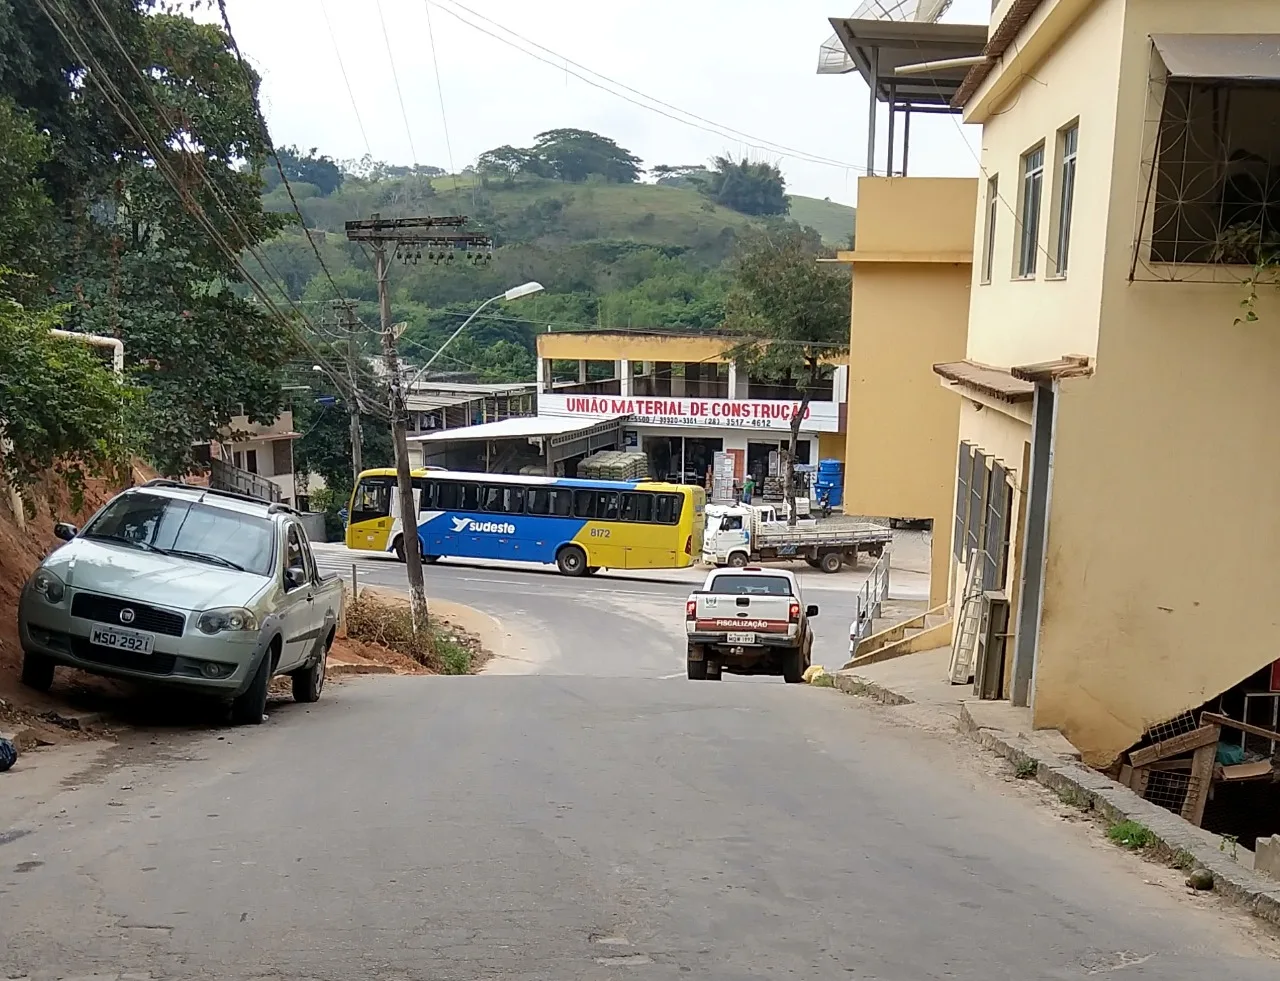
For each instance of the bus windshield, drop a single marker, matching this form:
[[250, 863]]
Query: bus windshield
[[372, 498]]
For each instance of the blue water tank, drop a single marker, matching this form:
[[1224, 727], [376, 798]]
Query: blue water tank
[[830, 481]]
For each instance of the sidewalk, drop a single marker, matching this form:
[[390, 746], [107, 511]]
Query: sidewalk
[[917, 685]]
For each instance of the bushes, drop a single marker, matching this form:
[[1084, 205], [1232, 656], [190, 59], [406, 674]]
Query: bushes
[[439, 648]]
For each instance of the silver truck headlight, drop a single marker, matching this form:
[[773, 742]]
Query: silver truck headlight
[[48, 585], [227, 618]]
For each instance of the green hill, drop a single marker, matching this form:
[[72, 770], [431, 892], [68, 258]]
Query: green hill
[[609, 255]]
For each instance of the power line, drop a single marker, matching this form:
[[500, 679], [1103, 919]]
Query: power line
[[435, 63], [391, 59], [324, 8], [561, 63], [119, 104]]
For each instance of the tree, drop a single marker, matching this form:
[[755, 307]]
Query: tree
[[750, 188], [793, 312], [321, 171], [508, 162], [694, 176], [575, 154], [150, 118]]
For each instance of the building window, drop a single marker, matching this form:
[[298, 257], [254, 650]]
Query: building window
[[1216, 194], [989, 233], [251, 460], [1068, 139], [1032, 190]]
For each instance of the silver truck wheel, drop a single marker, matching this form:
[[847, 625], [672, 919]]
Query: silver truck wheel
[[738, 560]]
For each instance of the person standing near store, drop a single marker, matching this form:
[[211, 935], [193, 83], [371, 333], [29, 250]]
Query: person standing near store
[[748, 489]]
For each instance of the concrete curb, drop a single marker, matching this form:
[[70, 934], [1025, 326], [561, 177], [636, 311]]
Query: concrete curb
[[1176, 841], [851, 684]]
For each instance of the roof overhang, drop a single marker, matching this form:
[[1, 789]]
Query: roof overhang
[[1218, 57], [1047, 372], [557, 429], [984, 379], [898, 44]]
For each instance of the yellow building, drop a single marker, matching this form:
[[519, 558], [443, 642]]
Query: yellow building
[[1129, 157]]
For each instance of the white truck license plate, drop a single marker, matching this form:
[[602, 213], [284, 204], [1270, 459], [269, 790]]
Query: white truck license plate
[[742, 638], [122, 640]]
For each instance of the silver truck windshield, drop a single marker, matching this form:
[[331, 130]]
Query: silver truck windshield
[[189, 530], [751, 586]]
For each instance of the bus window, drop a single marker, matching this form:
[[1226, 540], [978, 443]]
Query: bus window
[[669, 509], [448, 495], [504, 500], [373, 499], [584, 504], [607, 506], [427, 496], [556, 501], [470, 498], [637, 507]]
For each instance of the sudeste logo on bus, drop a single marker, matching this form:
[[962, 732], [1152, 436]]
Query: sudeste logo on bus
[[492, 527]]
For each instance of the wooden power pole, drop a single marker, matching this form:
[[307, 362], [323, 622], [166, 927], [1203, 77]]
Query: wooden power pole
[[444, 241], [346, 313]]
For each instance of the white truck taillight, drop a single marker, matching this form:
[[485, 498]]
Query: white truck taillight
[[691, 609], [794, 611]]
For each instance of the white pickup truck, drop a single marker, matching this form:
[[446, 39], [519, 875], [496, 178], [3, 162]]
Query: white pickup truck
[[748, 621]]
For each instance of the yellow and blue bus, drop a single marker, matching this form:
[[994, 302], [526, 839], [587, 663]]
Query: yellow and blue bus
[[580, 526]]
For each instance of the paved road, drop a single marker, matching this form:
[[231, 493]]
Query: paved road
[[613, 624], [589, 821]]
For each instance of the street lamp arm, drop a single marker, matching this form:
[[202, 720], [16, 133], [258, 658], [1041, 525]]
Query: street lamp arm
[[511, 294]]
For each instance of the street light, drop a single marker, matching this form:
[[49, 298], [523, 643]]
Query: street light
[[515, 293]]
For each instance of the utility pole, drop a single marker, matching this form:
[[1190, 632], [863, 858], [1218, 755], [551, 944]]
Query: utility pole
[[444, 240], [345, 309]]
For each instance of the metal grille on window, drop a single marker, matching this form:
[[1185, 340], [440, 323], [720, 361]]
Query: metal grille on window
[[1210, 178], [997, 530], [977, 504], [962, 500]]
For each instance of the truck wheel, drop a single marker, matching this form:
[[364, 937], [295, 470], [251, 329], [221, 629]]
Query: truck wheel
[[37, 671], [308, 683], [831, 562], [738, 560], [248, 708], [571, 561], [714, 669], [697, 670], [793, 667]]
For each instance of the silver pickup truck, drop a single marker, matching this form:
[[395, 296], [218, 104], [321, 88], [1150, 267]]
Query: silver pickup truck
[[179, 585], [748, 621]]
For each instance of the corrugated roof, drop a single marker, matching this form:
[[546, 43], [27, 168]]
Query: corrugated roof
[[520, 426], [425, 403], [998, 383]]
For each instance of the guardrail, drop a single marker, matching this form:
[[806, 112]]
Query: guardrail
[[870, 599]]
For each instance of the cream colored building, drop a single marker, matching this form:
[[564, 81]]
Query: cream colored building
[[1129, 160]]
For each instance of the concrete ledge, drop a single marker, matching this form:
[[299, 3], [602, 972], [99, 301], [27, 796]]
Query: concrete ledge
[[925, 640], [1177, 842], [851, 684]]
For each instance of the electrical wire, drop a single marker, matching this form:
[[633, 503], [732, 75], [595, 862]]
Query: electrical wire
[[324, 9], [391, 59], [654, 105], [122, 108]]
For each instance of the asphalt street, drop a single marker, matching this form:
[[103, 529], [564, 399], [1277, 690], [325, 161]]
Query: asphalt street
[[591, 819]]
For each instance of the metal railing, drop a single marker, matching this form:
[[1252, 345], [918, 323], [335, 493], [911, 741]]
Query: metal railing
[[869, 601], [225, 476]]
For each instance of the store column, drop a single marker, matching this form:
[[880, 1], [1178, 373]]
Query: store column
[[625, 378]]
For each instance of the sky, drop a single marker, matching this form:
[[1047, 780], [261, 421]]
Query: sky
[[747, 68]]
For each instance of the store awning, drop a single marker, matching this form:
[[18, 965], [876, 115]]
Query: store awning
[[1239, 57], [996, 383]]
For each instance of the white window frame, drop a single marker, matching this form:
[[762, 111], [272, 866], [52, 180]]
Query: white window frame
[[1064, 196], [1030, 206], [989, 231]]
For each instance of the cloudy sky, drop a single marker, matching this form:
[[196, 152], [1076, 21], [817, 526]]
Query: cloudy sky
[[509, 69]]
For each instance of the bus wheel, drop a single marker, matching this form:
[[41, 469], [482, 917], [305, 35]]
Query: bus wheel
[[398, 548], [571, 561], [592, 570], [738, 559]]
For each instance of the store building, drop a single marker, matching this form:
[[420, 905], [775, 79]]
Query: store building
[[682, 400]]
